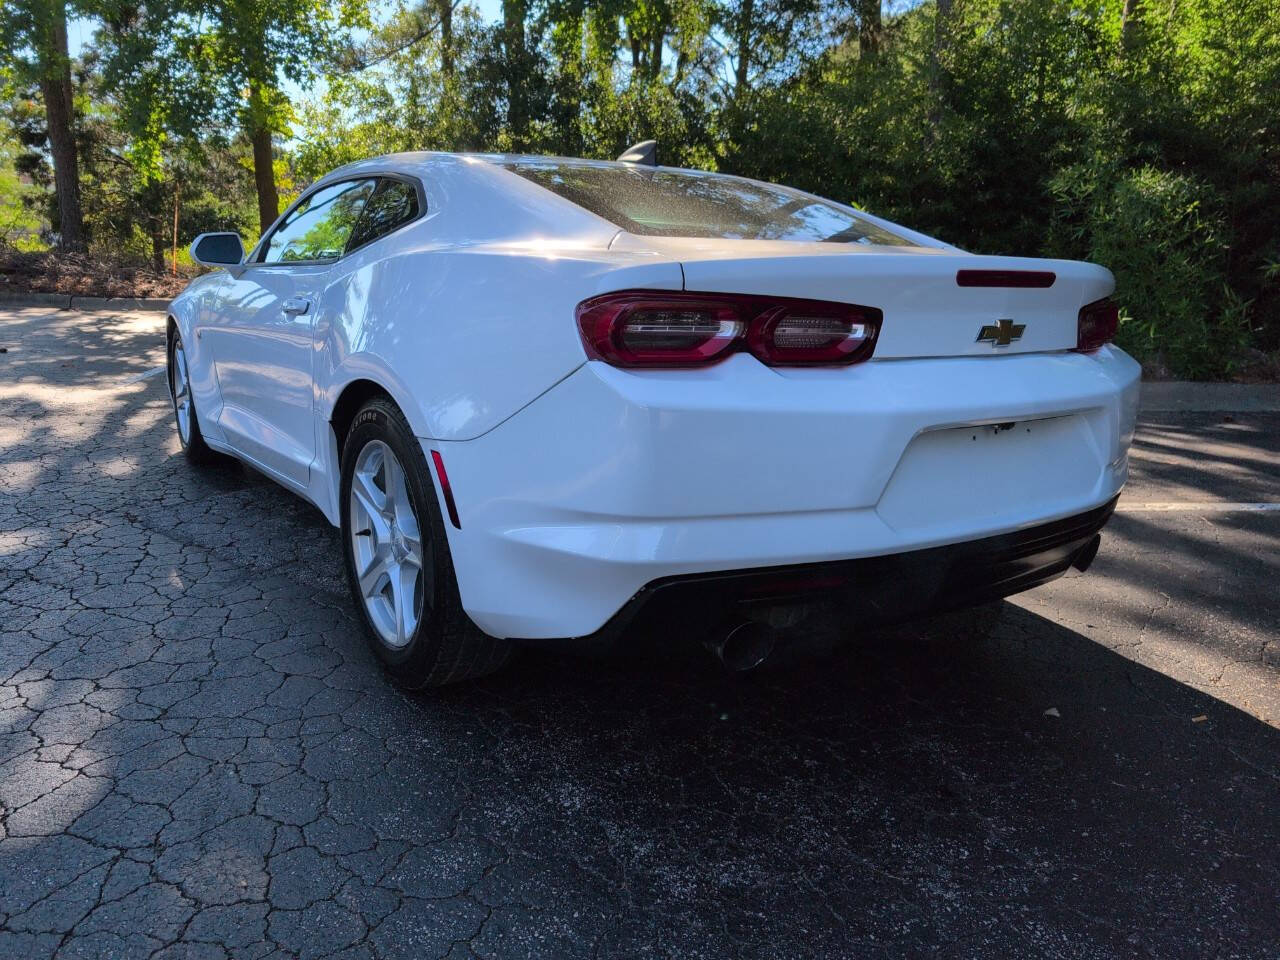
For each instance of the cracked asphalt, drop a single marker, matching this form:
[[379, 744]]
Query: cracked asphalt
[[198, 757]]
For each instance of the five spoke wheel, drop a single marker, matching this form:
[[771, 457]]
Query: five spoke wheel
[[184, 405], [397, 557], [181, 392], [394, 572]]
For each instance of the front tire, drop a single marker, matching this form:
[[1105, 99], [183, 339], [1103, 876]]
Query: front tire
[[184, 405], [397, 558]]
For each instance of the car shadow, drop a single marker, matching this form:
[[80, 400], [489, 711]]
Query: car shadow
[[934, 788]]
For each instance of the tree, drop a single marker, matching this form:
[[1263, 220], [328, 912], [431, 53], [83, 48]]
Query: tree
[[33, 45], [184, 67], [870, 27], [515, 54], [1140, 134], [445, 8]]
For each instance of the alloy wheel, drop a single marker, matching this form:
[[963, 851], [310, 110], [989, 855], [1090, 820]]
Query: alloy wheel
[[181, 391], [391, 560]]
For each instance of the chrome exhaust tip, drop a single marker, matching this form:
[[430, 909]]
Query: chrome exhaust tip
[[744, 646], [1084, 559]]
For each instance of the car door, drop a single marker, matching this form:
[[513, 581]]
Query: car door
[[262, 339]]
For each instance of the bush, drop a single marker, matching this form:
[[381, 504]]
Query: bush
[[1161, 234]]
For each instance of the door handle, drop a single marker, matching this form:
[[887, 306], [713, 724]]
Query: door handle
[[295, 306]]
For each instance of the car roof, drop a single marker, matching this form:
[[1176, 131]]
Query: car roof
[[491, 168], [409, 161]]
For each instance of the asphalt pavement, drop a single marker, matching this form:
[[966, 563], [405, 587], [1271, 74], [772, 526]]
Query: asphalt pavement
[[198, 757]]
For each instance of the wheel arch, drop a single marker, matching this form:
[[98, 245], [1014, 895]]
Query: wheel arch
[[347, 404], [180, 322], [170, 331], [179, 318], [361, 375], [347, 401]]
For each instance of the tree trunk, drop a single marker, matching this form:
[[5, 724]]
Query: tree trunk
[[264, 178], [516, 63], [446, 37], [870, 28], [264, 174], [941, 36], [937, 69], [55, 88], [1129, 23], [746, 12], [177, 192], [157, 245]]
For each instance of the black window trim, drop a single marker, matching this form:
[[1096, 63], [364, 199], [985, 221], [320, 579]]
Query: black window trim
[[418, 190], [260, 251]]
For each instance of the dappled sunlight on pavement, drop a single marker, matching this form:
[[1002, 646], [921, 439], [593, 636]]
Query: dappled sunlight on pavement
[[1191, 596], [1208, 456]]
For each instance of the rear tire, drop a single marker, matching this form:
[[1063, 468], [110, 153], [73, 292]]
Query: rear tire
[[397, 557], [184, 405]]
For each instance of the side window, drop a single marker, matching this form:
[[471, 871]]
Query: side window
[[393, 204], [320, 226]]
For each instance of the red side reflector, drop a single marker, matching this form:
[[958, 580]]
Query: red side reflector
[[448, 490], [1005, 278]]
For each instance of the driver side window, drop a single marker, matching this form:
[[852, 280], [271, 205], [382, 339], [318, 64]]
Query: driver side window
[[319, 227]]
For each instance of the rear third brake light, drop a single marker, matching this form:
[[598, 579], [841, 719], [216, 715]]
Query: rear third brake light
[[1005, 278], [639, 328], [1096, 325]]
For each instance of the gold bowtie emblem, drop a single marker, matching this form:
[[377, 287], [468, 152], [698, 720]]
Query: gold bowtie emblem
[[1001, 333]]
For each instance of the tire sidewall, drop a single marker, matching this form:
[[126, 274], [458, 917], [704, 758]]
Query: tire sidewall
[[174, 339], [193, 446], [377, 422]]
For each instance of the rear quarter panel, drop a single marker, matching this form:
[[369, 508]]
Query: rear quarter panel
[[464, 336]]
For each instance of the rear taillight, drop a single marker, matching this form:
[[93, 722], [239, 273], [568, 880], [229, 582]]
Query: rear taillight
[[644, 329], [817, 333], [1096, 325], [649, 328]]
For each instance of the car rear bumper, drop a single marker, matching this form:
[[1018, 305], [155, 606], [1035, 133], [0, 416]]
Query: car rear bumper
[[872, 591], [614, 481]]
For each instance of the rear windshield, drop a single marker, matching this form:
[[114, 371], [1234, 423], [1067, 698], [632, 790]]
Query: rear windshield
[[658, 202]]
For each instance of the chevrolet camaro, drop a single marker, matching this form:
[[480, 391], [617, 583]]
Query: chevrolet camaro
[[547, 398]]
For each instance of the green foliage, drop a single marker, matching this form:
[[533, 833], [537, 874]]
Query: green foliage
[[29, 50], [21, 203], [1148, 142], [187, 67], [1032, 128], [1162, 235], [405, 101]]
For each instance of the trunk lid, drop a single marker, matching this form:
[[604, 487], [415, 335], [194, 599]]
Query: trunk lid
[[927, 313]]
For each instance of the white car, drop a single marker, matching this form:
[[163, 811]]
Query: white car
[[542, 397]]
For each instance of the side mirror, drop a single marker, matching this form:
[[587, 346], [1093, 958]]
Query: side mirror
[[217, 250]]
